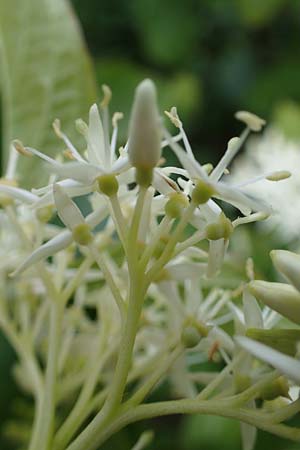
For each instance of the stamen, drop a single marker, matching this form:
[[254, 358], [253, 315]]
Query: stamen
[[107, 94], [66, 140], [253, 122], [19, 147], [113, 143]]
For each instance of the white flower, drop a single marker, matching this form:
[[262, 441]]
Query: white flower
[[268, 153]]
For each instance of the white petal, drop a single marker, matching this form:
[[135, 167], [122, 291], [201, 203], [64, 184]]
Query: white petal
[[240, 200], [72, 188], [285, 364], [186, 271], [19, 194], [121, 164], [68, 212], [252, 311], [51, 247], [82, 172], [96, 143], [215, 256]]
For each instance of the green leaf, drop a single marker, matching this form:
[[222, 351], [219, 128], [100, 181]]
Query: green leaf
[[45, 74]]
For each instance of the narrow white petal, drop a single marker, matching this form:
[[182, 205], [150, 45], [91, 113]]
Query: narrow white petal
[[240, 200], [18, 194], [252, 311], [215, 256], [51, 247], [72, 188], [96, 143], [68, 212], [186, 271], [285, 364], [82, 172], [121, 164]]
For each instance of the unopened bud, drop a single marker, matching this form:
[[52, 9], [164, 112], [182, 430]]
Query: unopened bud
[[288, 263], [276, 388], [283, 298], [81, 127], [219, 230], [176, 204], [144, 147], [82, 234]]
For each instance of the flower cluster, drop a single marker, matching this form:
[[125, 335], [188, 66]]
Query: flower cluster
[[115, 299]]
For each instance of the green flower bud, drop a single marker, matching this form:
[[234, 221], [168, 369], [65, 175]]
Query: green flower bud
[[283, 298], [175, 205], [108, 184], [144, 147], [44, 214], [288, 263], [82, 234], [202, 192], [276, 388], [190, 337], [283, 340], [219, 230]]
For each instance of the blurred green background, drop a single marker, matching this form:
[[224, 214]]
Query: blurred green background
[[209, 58]]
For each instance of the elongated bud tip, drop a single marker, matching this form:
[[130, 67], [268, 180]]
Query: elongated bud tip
[[144, 132], [288, 263], [283, 298]]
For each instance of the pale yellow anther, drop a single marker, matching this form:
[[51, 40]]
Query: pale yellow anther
[[18, 145], [116, 117], [56, 128], [252, 121], [279, 175], [106, 96], [173, 116], [68, 154]]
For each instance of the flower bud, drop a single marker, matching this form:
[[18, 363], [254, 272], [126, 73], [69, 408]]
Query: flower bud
[[288, 263], [276, 388], [283, 298], [144, 147], [176, 204], [219, 230], [202, 192]]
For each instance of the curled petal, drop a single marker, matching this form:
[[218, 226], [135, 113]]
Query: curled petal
[[51, 247], [68, 212]]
